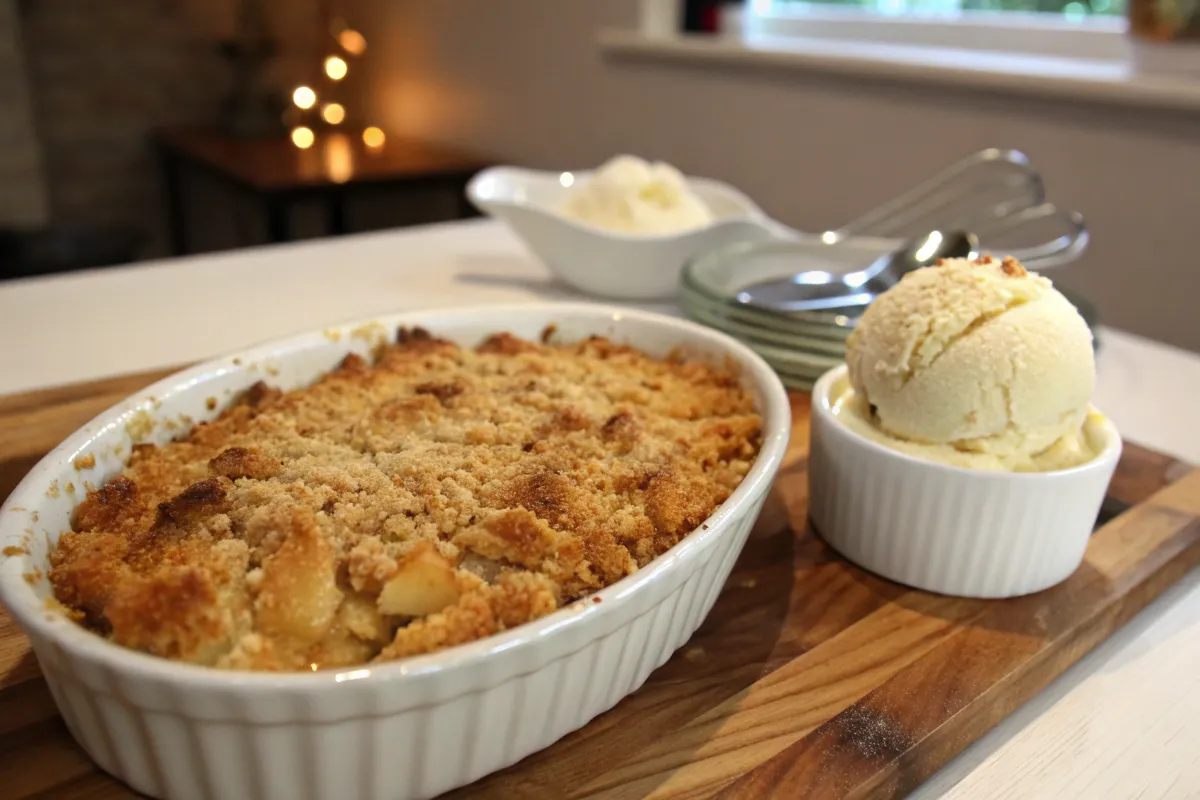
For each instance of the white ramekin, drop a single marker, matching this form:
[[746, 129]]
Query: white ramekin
[[409, 729], [947, 529]]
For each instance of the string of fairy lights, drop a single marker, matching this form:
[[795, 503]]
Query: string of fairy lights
[[316, 106]]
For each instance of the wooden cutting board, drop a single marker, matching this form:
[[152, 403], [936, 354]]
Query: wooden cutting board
[[810, 678]]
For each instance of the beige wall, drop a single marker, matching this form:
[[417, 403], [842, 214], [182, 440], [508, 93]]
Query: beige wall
[[525, 81]]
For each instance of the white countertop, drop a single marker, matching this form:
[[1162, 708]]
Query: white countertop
[[1122, 723]]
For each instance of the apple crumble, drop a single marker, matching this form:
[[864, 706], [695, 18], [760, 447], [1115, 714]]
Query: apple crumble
[[431, 498]]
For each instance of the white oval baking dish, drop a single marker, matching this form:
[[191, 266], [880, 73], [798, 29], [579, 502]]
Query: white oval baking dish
[[408, 729]]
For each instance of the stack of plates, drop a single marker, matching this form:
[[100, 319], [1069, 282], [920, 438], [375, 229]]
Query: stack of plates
[[800, 346]]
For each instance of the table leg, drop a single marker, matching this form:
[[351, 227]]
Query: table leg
[[277, 219], [463, 205], [335, 213], [176, 221]]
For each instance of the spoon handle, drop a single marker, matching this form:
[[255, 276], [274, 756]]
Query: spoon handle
[[989, 184]]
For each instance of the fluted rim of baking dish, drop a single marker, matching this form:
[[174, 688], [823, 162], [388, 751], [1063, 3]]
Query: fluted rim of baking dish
[[19, 597]]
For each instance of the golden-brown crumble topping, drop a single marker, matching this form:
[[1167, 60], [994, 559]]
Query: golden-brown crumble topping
[[432, 498], [1013, 268]]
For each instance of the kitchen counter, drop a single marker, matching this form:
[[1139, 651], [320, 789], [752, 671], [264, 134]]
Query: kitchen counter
[[1122, 723]]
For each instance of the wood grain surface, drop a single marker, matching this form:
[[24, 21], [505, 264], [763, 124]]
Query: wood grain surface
[[810, 678]]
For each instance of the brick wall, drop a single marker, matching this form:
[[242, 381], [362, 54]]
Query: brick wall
[[102, 75], [22, 190]]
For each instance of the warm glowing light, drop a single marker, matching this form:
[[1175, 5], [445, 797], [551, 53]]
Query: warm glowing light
[[335, 68], [304, 97], [303, 137], [339, 158], [333, 113], [373, 137], [352, 42], [566, 179]]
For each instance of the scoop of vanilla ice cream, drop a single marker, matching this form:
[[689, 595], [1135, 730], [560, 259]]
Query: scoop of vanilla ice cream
[[632, 195], [980, 355]]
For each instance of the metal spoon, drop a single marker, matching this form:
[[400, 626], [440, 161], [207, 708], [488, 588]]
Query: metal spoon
[[817, 290]]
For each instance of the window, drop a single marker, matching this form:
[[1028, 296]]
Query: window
[[1073, 10], [1078, 29], [1108, 52]]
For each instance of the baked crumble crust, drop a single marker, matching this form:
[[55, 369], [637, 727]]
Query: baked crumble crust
[[432, 498]]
